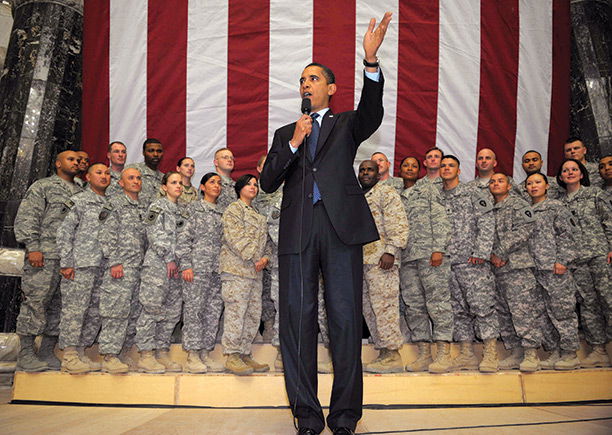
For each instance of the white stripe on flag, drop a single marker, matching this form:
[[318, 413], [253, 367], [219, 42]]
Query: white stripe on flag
[[128, 75], [534, 80], [206, 115], [384, 138], [290, 51], [459, 81]]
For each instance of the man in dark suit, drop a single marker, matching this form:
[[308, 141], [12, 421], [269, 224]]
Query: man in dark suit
[[325, 221]]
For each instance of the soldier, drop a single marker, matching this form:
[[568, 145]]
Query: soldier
[[82, 267], [224, 165], [117, 153], [43, 208], [574, 148], [532, 163], [159, 295], [519, 315], [472, 284], [385, 173], [553, 249], [124, 242], [486, 162], [153, 152], [197, 250], [83, 159], [381, 272], [592, 210], [409, 171], [605, 171], [186, 167], [424, 277], [244, 254], [433, 157]]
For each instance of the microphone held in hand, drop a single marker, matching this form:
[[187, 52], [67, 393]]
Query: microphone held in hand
[[306, 106]]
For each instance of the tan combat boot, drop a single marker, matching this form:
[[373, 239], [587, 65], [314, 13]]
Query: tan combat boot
[[466, 360], [489, 361], [549, 363], [442, 363], [421, 364], [256, 366], [568, 361], [531, 362], [597, 358], [113, 365], [46, 352], [194, 363], [71, 363], [125, 358], [235, 365], [212, 365], [163, 357], [278, 362], [512, 361], [388, 361], [148, 364], [27, 360], [94, 366]]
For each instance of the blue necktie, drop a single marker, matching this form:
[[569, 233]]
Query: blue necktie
[[313, 139]]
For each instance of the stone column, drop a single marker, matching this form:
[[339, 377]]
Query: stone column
[[591, 75], [6, 22]]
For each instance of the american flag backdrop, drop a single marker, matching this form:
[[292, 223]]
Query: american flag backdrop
[[204, 74]]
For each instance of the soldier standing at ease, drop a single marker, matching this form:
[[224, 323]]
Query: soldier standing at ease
[[517, 302], [186, 167], [574, 148], [197, 250], [553, 248], [117, 153], [153, 152], [82, 267], [532, 164], [160, 297], [433, 157], [605, 171], [385, 174], [124, 242], [381, 271], [472, 284], [224, 165], [83, 159], [41, 211]]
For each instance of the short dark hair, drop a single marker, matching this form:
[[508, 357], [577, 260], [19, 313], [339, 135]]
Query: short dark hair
[[95, 164], [110, 145], [207, 177], [535, 173], [585, 174], [532, 151], [450, 156], [243, 181], [573, 139], [148, 141], [182, 159], [434, 149], [167, 175], [327, 72], [411, 157]]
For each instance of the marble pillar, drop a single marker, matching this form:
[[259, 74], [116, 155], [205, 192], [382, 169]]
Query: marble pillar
[[591, 75], [6, 23], [40, 91]]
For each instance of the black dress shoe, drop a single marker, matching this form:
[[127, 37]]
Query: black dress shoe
[[343, 431], [307, 431]]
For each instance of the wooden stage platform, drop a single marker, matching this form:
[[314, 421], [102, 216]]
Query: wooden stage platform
[[267, 390]]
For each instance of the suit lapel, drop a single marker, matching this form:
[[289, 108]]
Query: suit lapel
[[326, 127]]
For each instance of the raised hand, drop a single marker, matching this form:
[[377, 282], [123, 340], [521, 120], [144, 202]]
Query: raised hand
[[374, 38]]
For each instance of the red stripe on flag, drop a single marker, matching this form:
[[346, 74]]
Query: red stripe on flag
[[167, 78], [417, 89], [95, 99], [499, 57], [248, 56], [334, 46], [560, 101]]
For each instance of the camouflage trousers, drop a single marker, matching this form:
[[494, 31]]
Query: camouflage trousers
[[473, 299], [80, 321], [41, 304], [381, 306], [242, 299], [322, 313], [202, 311], [426, 293], [119, 310], [595, 299], [268, 309], [557, 294], [520, 318], [161, 302], [274, 297]]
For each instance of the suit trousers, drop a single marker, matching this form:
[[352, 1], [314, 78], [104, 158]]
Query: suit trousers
[[342, 269]]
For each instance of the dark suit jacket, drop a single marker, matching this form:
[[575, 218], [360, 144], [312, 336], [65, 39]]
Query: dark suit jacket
[[332, 168]]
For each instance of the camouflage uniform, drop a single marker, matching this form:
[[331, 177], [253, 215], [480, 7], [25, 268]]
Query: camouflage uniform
[[43, 208], [151, 182], [381, 287], [425, 288], [436, 181], [553, 242], [594, 175], [245, 236], [198, 247], [228, 194], [114, 188], [189, 195], [472, 285], [396, 182], [592, 209], [160, 296], [520, 317], [78, 243], [124, 243], [483, 185]]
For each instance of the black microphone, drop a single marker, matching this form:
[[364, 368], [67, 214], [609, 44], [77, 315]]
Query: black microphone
[[306, 106]]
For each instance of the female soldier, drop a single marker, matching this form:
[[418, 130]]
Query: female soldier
[[186, 167], [592, 210], [553, 248], [197, 250], [160, 298], [244, 255]]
